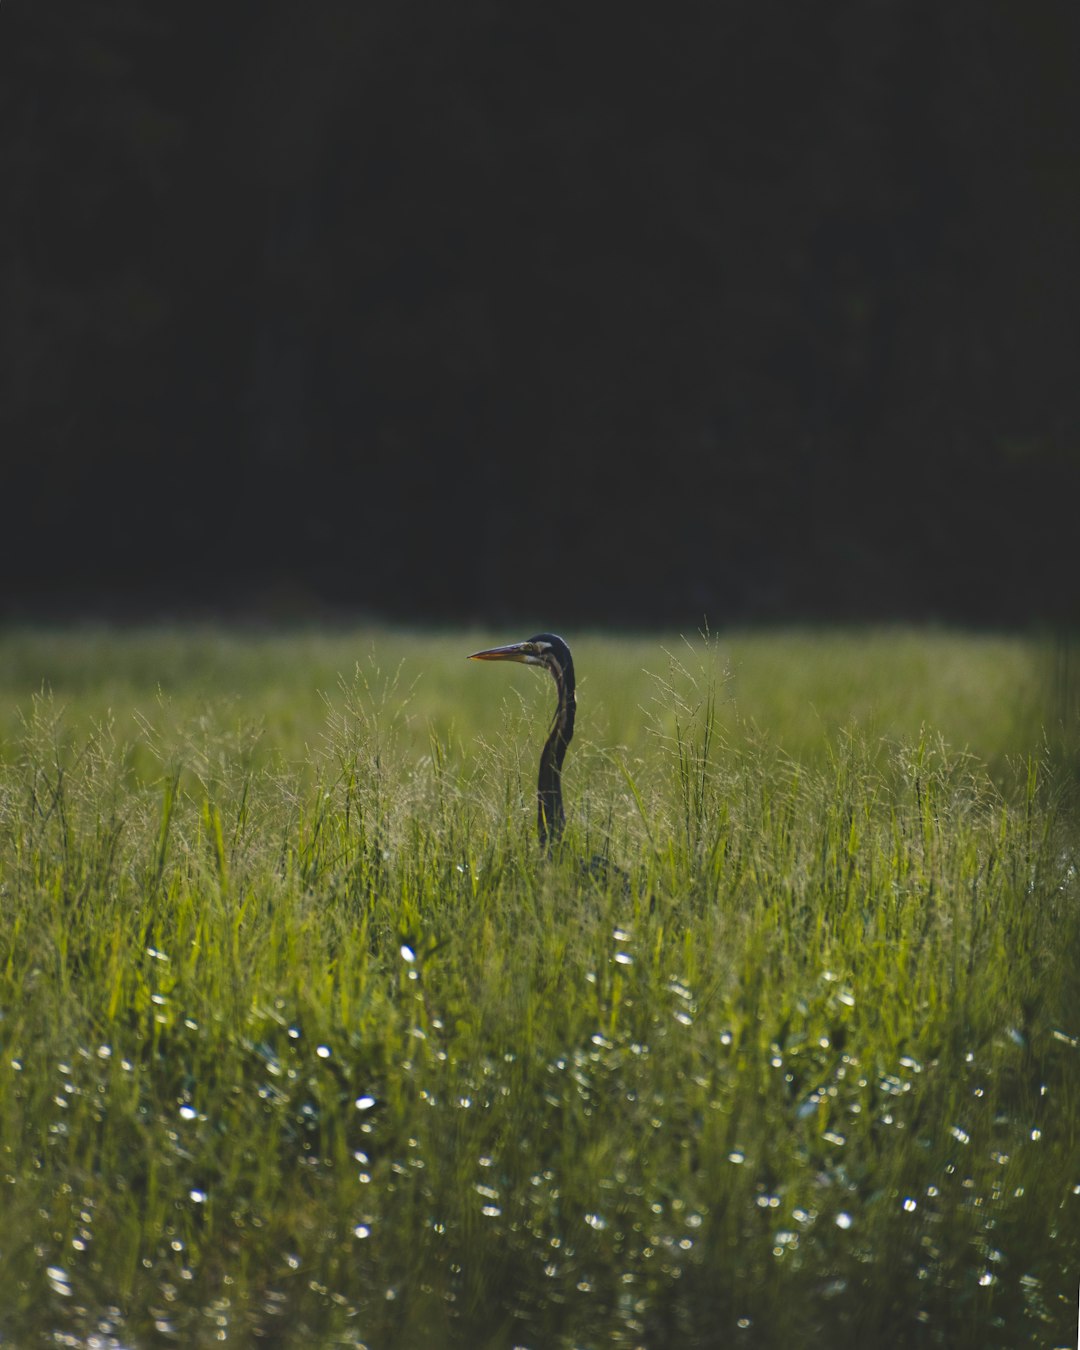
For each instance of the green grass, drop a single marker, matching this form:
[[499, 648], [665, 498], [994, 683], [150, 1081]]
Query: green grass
[[301, 1041]]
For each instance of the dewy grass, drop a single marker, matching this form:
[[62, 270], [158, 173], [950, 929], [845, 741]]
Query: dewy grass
[[301, 1040]]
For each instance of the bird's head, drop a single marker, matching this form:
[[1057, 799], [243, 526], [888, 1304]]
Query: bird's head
[[545, 649]]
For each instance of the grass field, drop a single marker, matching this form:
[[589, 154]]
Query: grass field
[[302, 1044]]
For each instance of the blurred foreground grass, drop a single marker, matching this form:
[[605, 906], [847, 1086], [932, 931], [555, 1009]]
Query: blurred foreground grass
[[302, 1041]]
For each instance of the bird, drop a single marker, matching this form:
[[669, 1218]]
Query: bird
[[551, 652]]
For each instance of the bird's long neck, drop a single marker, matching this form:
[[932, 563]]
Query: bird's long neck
[[550, 816]]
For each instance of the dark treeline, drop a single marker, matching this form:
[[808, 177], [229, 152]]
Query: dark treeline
[[588, 313]]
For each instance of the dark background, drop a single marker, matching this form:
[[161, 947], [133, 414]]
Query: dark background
[[573, 313]]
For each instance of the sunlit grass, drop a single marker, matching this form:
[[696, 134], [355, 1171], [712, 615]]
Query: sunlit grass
[[302, 1039]]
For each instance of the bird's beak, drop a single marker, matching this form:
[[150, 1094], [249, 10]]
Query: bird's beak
[[516, 651]]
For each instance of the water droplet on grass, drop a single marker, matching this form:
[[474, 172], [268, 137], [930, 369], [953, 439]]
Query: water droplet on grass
[[58, 1280], [365, 1103], [843, 1220]]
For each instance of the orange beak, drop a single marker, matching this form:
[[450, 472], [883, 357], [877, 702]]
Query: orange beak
[[516, 651]]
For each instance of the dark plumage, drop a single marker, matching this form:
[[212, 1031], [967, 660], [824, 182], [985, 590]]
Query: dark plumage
[[551, 652]]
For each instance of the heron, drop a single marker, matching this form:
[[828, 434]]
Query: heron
[[551, 652]]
